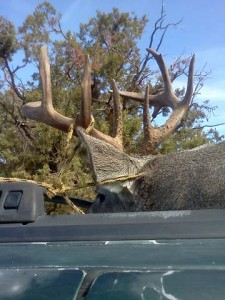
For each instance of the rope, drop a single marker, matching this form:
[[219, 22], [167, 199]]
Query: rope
[[118, 179], [91, 125], [69, 136], [53, 191], [122, 178]]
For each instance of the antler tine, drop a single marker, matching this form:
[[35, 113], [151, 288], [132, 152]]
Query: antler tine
[[146, 119], [43, 111], [117, 139], [164, 71], [84, 117], [45, 77], [117, 115], [189, 90]]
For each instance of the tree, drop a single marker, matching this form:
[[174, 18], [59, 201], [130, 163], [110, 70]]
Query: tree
[[34, 151]]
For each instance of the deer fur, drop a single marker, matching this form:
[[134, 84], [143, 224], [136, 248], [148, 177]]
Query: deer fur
[[192, 179]]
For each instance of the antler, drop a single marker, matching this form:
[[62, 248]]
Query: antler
[[154, 136], [44, 112]]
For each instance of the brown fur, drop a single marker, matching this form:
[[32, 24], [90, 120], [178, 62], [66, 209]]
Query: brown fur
[[193, 179]]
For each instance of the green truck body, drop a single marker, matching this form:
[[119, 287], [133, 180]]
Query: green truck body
[[155, 255]]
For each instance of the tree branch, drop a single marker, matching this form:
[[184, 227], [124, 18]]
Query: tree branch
[[210, 126], [157, 27], [11, 82]]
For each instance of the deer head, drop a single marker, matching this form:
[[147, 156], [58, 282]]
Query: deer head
[[116, 170]]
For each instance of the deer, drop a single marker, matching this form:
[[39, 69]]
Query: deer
[[186, 180]]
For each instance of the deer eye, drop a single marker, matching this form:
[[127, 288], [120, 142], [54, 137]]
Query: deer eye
[[101, 198]]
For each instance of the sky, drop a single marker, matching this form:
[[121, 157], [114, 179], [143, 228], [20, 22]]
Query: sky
[[202, 31]]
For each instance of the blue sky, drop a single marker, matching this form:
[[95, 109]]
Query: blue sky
[[202, 32]]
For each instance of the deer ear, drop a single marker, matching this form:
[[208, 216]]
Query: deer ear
[[107, 162]]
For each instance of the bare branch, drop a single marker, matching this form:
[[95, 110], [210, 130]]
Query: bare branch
[[209, 126], [159, 26], [11, 82]]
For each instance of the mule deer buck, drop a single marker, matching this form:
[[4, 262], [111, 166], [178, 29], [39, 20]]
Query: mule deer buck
[[191, 179]]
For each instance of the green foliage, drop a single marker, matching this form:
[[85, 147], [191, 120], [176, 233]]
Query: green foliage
[[8, 43], [111, 40], [184, 139], [34, 151], [36, 29]]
